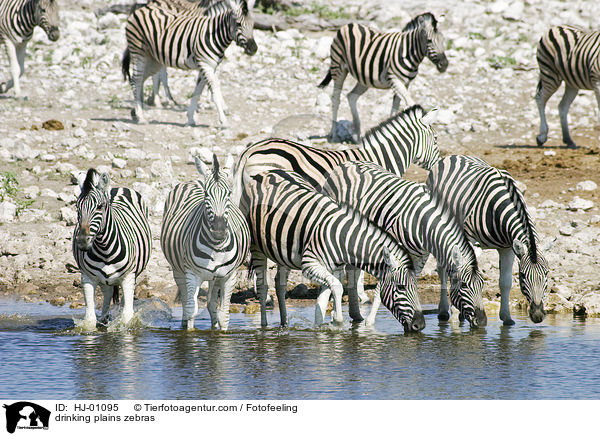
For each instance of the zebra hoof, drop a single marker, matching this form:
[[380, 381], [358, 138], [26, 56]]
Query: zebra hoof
[[541, 139], [134, 116], [3, 88], [508, 322], [444, 316], [570, 144]]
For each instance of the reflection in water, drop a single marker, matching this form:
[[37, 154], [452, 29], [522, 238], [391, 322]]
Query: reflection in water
[[556, 359]]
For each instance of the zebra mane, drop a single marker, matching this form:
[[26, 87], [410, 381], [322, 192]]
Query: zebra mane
[[406, 113], [519, 202], [414, 23]]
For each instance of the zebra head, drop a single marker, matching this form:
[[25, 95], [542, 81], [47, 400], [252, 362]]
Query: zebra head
[[217, 199], [426, 151], [466, 286], [533, 278], [398, 290], [92, 206], [434, 40], [46, 16], [242, 24]]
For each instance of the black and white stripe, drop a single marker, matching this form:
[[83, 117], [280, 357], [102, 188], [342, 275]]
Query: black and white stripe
[[420, 223], [187, 39], [18, 18], [111, 243], [299, 228], [406, 137], [494, 215], [571, 55], [204, 238], [382, 60]]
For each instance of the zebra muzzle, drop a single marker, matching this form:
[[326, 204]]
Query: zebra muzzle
[[250, 47], [219, 228], [537, 312], [53, 33], [418, 322], [479, 320], [442, 64]]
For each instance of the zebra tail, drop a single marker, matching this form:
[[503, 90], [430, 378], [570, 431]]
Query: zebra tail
[[326, 80], [125, 61], [115, 297]]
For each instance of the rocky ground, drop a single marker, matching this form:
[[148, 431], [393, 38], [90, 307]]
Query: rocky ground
[[486, 109]]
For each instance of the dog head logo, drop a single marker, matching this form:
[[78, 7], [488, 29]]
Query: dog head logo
[[26, 415]]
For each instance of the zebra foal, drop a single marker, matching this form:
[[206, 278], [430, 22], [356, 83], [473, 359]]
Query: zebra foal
[[204, 238], [494, 215], [571, 55], [418, 221], [381, 60], [111, 243], [18, 18], [299, 228], [184, 38]]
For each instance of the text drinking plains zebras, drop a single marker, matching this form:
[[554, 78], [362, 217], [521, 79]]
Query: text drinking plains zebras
[[184, 39], [381, 60], [111, 243], [420, 223], [571, 55], [494, 215], [204, 238], [299, 228], [18, 18]]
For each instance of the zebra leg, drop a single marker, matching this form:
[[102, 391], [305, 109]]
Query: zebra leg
[[541, 97], [89, 286], [353, 277], [107, 293], [189, 301], [226, 285], [281, 279], [259, 262], [155, 87], [401, 90], [128, 286], [143, 68], [563, 111], [395, 104], [597, 92], [338, 84], [353, 96], [200, 82], [11, 53], [374, 307], [507, 257], [215, 89], [444, 305], [330, 283], [214, 288]]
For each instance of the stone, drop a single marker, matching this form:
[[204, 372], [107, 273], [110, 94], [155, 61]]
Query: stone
[[68, 215], [580, 204], [119, 163], [322, 49], [53, 125], [47, 192], [566, 230], [587, 185], [8, 211], [31, 192], [135, 153]]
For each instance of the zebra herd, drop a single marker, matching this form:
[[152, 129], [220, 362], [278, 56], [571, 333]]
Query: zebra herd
[[324, 212]]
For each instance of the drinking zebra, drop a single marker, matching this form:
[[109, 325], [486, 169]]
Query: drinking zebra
[[494, 215], [571, 55], [204, 238], [406, 137], [381, 60], [184, 39], [18, 18], [111, 243], [297, 227], [420, 223]]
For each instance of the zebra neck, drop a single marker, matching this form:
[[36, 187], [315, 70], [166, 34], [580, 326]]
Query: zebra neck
[[25, 17], [105, 235], [224, 31], [414, 49], [201, 235]]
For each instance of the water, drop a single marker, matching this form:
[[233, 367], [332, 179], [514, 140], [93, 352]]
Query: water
[[42, 356]]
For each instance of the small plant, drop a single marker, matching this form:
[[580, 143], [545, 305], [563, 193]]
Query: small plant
[[9, 189], [322, 11], [501, 61]]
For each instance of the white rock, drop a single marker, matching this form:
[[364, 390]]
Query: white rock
[[68, 215], [587, 185], [119, 163], [8, 211], [135, 153], [564, 291], [31, 191], [109, 20], [204, 153], [566, 230], [551, 204], [67, 197], [47, 157], [79, 133], [514, 11], [24, 152], [580, 204], [322, 50], [47, 192], [140, 173]]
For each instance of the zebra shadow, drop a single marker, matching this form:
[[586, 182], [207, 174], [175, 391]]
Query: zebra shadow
[[149, 123], [530, 147]]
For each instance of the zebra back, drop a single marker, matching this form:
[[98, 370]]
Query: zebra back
[[112, 236], [571, 54], [406, 137], [18, 18]]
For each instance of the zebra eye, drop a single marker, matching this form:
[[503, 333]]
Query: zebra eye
[[99, 206]]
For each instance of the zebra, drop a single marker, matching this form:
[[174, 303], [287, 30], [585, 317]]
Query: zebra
[[111, 243], [571, 55], [295, 226], [381, 60], [204, 238], [402, 139], [184, 39], [420, 223], [18, 18], [494, 215]]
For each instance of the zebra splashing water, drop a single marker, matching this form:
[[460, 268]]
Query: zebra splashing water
[[111, 243], [420, 223], [381, 60], [204, 238], [494, 215], [18, 18], [571, 55], [184, 39], [299, 228]]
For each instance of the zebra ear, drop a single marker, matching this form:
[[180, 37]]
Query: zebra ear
[[430, 117], [389, 258], [216, 167], [104, 182], [519, 248], [200, 166]]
